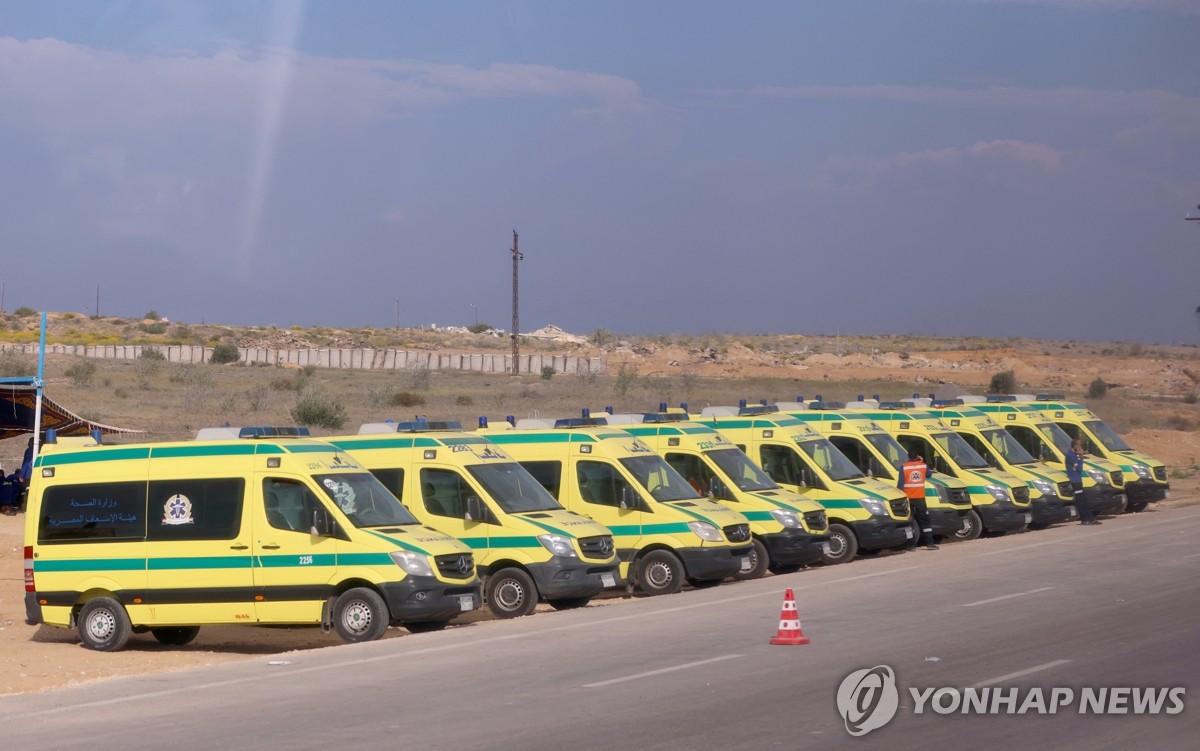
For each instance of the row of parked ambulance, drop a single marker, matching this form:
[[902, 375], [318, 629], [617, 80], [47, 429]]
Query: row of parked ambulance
[[414, 523]]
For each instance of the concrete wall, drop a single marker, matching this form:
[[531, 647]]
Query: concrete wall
[[345, 359]]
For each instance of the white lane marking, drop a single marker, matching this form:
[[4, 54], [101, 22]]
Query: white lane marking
[[290, 672], [1019, 673], [660, 671], [1006, 597]]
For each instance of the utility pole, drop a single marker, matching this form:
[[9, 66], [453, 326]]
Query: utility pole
[[517, 257], [97, 302]]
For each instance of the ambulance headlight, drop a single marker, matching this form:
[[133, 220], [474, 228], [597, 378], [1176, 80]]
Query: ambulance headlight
[[874, 506], [558, 545], [1042, 486], [416, 564], [1100, 478], [706, 531], [999, 492], [789, 519], [1142, 471]]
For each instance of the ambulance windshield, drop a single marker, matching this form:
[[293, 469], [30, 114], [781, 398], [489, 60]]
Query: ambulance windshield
[[1107, 436], [364, 500], [738, 468]]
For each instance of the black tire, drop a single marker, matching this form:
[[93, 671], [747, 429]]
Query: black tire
[[972, 527], [175, 636], [1133, 507], [659, 572], [569, 603], [704, 583], [359, 615], [103, 624], [843, 545], [784, 568], [511, 593], [759, 559], [425, 627]]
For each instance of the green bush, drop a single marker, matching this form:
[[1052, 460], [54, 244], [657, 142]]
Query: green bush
[[548, 372], [153, 354], [81, 373], [224, 353], [1097, 389], [464, 401], [314, 410], [152, 316], [14, 364], [479, 328], [157, 327], [1004, 382], [406, 399], [1190, 397], [24, 312]]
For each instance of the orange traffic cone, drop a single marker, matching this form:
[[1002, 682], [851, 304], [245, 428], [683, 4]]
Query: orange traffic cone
[[789, 623]]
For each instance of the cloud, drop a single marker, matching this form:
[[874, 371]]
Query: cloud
[[859, 173], [1073, 100]]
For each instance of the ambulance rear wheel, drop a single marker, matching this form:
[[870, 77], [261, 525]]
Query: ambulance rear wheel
[[759, 560], [360, 614], [1133, 507], [103, 625], [843, 545], [659, 572], [425, 627], [972, 527], [569, 603], [175, 636], [511, 593]]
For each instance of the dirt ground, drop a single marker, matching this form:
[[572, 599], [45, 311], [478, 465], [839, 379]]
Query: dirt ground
[[44, 658]]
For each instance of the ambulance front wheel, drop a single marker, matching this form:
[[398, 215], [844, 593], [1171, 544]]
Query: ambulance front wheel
[[972, 527], [103, 624], [425, 627], [175, 636], [569, 603], [759, 560], [360, 614], [843, 545], [659, 572], [511, 593]]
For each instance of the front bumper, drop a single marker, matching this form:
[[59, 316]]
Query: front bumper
[[1004, 516], [881, 532], [1050, 509], [793, 547], [571, 577], [1146, 491], [713, 563], [420, 599], [946, 521], [1104, 499]]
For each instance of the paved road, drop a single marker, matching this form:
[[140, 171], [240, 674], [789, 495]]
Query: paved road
[[1109, 606]]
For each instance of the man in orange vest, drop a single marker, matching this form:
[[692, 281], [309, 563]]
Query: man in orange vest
[[912, 482]]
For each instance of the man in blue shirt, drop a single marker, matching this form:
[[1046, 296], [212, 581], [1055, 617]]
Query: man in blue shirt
[[1074, 464]]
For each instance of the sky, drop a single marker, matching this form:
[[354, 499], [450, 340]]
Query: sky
[[950, 168]]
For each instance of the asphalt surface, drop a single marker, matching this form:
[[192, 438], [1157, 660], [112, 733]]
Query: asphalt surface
[[1085, 608]]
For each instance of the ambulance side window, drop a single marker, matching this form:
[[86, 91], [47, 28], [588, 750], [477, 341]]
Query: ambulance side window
[[444, 492], [392, 479], [932, 458], [203, 509], [93, 512], [1030, 442], [289, 504], [548, 475], [601, 484], [982, 447], [780, 465]]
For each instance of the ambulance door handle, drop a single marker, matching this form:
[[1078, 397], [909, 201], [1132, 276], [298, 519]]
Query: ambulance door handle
[[239, 547], [270, 546]]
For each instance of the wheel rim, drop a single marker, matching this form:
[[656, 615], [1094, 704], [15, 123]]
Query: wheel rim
[[101, 624], [968, 527], [357, 617], [837, 545], [509, 595], [659, 575]]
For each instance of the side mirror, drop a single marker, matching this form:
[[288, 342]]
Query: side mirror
[[475, 512], [805, 478], [322, 524], [629, 498], [718, 489]]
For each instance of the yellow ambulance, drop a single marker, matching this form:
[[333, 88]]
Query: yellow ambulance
[[527, 547], [1051, 496], [999, 501], [865, 514], [1103, 481], [666, 534], [877, 454], [268, 528], [1145, 477], [788, 530]]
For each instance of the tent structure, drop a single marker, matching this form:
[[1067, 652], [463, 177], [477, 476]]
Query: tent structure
[[18, 407]]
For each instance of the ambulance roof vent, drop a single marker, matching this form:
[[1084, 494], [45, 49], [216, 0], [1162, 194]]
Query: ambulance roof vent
[[1001, 398], [956, 402], [827, 405], [412, 426], [971, 398], [1042, 398], [791, 406], [758, 409], [580, 422], [664, 417], [627, 418], [719, 412], [864, 404]]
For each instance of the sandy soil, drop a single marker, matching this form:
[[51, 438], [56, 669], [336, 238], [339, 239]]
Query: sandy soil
[[44, 658]]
